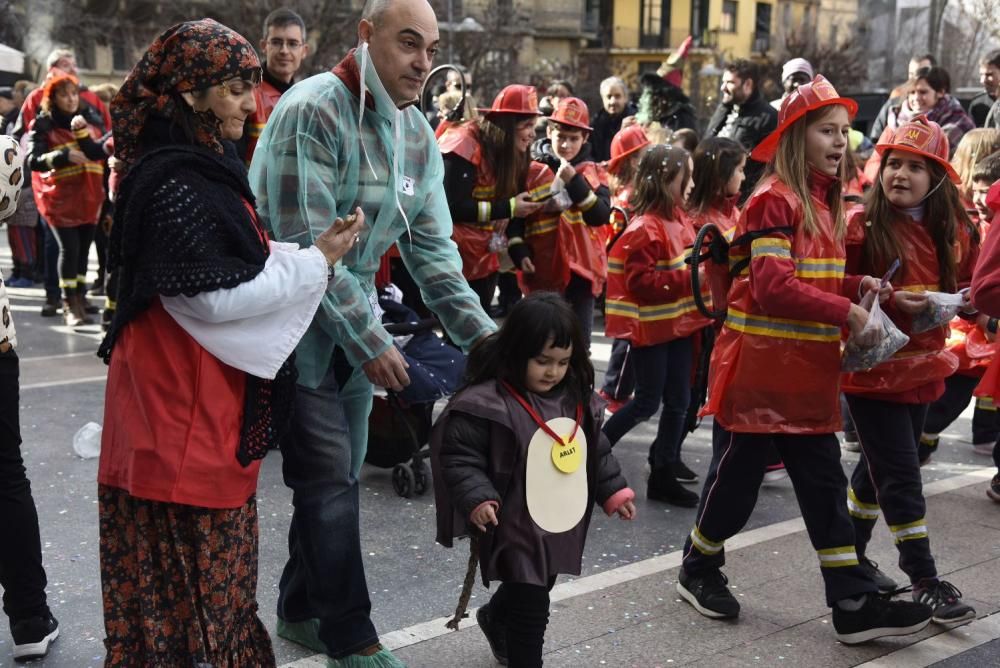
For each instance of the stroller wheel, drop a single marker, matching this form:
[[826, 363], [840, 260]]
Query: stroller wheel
[[403, 480], [420, 475]]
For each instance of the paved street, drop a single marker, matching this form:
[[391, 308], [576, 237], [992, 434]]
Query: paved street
[[623, 610]]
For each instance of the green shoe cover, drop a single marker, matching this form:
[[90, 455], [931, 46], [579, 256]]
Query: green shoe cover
[[380, 659], [305, 633]]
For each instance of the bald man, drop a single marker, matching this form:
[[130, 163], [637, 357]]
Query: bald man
[[319, 157]]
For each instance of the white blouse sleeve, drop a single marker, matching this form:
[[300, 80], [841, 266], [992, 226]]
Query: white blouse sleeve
[[255, 326]]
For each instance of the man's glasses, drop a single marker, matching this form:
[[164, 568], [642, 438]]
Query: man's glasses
[[279, 44]]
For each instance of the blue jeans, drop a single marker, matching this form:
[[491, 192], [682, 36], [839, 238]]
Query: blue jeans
[[619, 378], [662, 375], [324, 578]]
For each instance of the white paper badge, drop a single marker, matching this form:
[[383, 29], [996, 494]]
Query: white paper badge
[[406, 185], [557, 499]]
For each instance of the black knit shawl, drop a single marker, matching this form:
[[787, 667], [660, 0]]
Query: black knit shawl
[[181, 228]]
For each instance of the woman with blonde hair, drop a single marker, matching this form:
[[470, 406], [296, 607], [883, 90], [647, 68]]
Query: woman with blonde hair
[[975, 145]]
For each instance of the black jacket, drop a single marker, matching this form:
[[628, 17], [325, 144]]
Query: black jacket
[[756, 120], [606, 127], [979, 108]]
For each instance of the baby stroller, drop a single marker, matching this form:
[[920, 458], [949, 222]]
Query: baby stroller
[[399, 426]]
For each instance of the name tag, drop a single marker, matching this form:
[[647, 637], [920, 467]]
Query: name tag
[[376, 309], [406, 185]]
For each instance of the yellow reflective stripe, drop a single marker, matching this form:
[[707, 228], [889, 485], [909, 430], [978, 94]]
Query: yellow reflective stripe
[[67, 283], [836, 557], [483, 211], [255, 130], [588, 202], [860, 509], [781, 328], [76, 170], [909, 531], [69, 144], [704, 545], [985, 404], [483, 192], [573, 216], [729, 234], [674, 264], [539, 191], [770, 247], [538, 227], [920, 287], [616, 266], [820, 267], [632, 310], [110, 303]]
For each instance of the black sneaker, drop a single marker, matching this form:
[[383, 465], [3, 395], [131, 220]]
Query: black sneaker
[[945, 600], [709, 594], [993, 491], [496, 634], [925, 448], [663, 486], [51, 307], [879, 617], [885, 584], [683, 474], [33, 636]]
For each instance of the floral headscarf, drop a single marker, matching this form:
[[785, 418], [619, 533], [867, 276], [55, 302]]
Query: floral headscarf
[[189, 56]]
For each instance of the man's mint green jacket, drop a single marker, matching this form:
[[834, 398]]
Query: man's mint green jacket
[[314, 162]]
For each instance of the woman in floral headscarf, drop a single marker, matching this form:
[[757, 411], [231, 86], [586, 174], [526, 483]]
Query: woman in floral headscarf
[[200, 380]]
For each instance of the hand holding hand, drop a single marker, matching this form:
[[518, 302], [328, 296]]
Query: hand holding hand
[[910, 302], [485, 515], [523, 206], [626, 511], [388, 370], [341, 236], [527, 266]]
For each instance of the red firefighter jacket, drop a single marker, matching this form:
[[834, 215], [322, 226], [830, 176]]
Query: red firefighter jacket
[[916, 373], [649, 297], [776, 363]]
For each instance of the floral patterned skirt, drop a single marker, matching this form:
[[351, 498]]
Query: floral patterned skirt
[[179, 584]]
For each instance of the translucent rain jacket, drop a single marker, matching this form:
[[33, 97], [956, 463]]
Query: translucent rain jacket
[[319, 157]]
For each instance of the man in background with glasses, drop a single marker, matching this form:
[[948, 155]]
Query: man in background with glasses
[[283, 48]]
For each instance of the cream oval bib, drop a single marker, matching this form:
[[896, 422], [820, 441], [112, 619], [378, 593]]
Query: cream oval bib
[[556, 477]]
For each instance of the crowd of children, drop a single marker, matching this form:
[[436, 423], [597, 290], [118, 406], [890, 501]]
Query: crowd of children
[[801, 265]]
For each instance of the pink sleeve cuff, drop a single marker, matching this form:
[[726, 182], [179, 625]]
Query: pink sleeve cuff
[[612, 505], [490, 502]]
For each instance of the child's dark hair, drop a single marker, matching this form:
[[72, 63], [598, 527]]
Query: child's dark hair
[[988, 169], [944, 217], [658, 167], [533, 322], [715, 160]]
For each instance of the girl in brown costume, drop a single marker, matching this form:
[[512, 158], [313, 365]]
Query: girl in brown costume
[[519, 459]]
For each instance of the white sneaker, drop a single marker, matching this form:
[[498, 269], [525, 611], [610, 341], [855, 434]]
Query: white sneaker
[[985, 449], [777, 475]]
